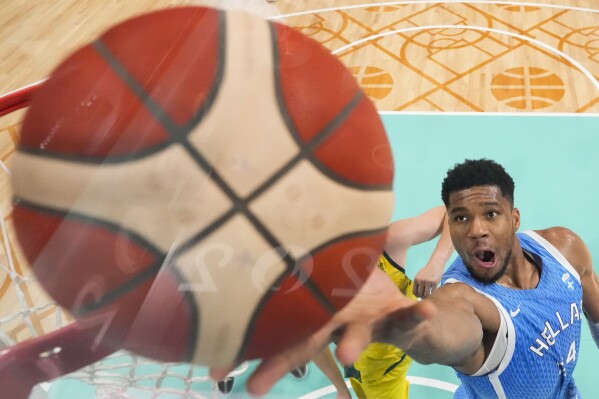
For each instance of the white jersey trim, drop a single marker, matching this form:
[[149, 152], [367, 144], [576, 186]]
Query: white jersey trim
[[498, 350], [506, 346], [554, 252], [494, 379]]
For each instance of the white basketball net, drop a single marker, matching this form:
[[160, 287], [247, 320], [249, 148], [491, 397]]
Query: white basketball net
[[27, 312], [122, 374]]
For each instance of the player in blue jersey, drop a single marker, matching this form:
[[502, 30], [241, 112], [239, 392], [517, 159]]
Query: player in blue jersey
[[508, 316], [529, 290]]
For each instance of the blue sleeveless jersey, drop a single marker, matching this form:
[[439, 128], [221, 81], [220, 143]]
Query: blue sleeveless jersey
[[543, 329]]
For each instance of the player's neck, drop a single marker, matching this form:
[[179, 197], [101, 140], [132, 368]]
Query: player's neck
[[522, 272]]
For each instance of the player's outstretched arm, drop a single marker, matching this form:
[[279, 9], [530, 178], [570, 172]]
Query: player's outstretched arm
[[459, 323], [353, 326], [443, 329], [428, 277]]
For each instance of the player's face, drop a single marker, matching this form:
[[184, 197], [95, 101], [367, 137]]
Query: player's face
[[482, 224]]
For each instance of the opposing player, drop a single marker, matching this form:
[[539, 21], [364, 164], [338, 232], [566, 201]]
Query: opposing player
[[509, 315], [381, 370]]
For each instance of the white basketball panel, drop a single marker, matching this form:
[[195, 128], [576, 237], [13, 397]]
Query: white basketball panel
[[228, 273], [307, 208], [244, 135], [164, 198]]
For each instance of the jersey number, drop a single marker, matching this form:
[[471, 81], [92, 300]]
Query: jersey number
[[571, 353]]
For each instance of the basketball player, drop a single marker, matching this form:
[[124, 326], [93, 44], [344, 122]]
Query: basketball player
[[508, 316], [381, 370]]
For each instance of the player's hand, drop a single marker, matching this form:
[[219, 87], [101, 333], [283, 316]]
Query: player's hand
[[427, 279], [354, 325]]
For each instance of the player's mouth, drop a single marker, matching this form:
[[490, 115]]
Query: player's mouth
[[485, 258]]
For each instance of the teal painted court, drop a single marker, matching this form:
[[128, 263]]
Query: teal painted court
[[555, 164]]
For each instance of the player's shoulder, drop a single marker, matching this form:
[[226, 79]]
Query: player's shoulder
[[560, 237], [569, 244], [556, 233]]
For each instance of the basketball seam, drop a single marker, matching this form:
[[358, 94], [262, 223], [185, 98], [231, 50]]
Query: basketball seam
[[121, 289], [306, 149], [353, 234], [249, 331], [313, 286], [240, 204], [131, 283], [310, 282], [88, 159], [194, 322], [178, 134]]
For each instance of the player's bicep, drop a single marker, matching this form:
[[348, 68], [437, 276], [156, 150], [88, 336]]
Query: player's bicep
[[590, 295]]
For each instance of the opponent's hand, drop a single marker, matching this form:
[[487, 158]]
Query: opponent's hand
[[354, 325], [427, 279]]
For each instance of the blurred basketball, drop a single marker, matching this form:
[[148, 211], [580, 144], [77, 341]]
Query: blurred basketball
[[527, 88], [207, 186]]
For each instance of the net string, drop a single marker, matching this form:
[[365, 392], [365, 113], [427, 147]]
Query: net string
[[119, 375]]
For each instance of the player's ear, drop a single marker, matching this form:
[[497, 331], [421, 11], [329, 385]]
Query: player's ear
[[516, 219]]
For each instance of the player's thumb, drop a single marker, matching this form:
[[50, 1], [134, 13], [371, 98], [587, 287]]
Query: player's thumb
[[401, 323]]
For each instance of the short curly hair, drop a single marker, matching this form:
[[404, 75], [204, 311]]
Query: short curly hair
[[477, 172]]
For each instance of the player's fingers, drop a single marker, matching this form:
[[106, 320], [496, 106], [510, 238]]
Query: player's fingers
[[353, 341], [417, 289], [219, 373], [426, 291], [267, 374], [273, 369]]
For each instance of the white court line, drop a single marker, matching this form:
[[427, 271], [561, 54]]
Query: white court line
[[432, 383], [388, 3], [552, 49], [487, 113], [423, 381], [478, 28], [541, 44]]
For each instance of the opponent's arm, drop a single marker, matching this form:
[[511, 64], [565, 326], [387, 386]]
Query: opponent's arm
[[327, 364], [428, 277], [415, 230], [404, 233]]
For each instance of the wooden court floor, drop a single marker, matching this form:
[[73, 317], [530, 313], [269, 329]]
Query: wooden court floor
[[409, 56], [480, 56]]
